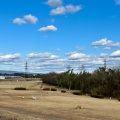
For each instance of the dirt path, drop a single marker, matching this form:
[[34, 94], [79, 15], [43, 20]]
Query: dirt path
[[18, 111]]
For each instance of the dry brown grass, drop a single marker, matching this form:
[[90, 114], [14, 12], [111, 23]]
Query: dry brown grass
[[54, 103], [15, 116]]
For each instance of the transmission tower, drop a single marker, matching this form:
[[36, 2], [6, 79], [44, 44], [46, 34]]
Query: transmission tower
[[26, 67], [105, 64], [68, 67], [82, 68]]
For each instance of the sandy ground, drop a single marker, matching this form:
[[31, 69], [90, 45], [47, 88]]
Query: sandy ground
[[54, 105]]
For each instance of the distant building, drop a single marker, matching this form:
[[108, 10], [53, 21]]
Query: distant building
[[9, 77]]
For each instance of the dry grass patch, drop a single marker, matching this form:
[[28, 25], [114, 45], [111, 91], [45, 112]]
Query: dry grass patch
[[66, 106], [15, 116]]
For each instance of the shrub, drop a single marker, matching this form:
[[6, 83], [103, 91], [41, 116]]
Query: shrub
[[53, 89], [97, 96], [19, 88], [77, 93], [46, 89], [63, 91], [118, 99]]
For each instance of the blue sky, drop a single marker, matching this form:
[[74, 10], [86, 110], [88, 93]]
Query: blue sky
[[54, 34]]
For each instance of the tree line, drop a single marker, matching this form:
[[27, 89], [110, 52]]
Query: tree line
[[100, 82]]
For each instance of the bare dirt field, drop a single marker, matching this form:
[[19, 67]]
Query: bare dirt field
[[36, 104]]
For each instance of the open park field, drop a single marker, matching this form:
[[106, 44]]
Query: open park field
[[36, 104]]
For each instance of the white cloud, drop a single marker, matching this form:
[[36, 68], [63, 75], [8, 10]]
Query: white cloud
[[42, 55], [26, 19], [105, 42], [115, 54], [49, 28], [75, 55], [54, 3], [117, 2], [9, 57], [107, 48], [65, 9], [103, 55], [114, 60], [102, 42], [58, 11], [97, 62], [73, 9], [19, 21], [47, 62], [116, 45], [30, 19]]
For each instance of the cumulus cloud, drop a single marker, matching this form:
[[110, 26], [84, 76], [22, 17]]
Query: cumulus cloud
[[102, 42], [75, 55], [49, 28], [30, 19], [97, 62], [72, 9], [65, 9], [107, 48], [42, 55], [47, 62], [115, 54], [105, 42], [117, 2], [19, 21], [103, 55], [54, 3], [9, 57], [26, 19], [115, 45], [58, 11]]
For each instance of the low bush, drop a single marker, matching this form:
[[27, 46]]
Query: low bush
[[19, 88], [46, 89], [53, 89], [118, 99], [77, 93], [63, 91], [97, 96]]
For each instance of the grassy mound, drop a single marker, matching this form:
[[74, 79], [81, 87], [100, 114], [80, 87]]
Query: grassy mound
[[97, 96], [19, 88], [46, 89], [63, 91], [53, 89], [78, 93]]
